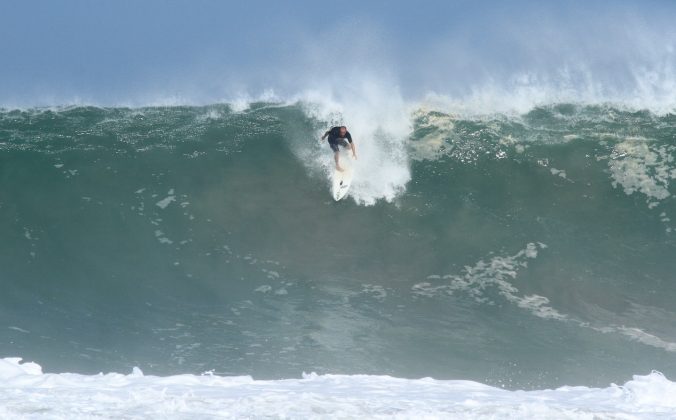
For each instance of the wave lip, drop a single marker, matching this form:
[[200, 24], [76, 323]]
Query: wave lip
[[27, 391]]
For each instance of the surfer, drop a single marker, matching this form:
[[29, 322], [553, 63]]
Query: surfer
[[339, 136]]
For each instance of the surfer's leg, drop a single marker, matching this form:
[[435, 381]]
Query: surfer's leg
[[336, 157], [336, 152]]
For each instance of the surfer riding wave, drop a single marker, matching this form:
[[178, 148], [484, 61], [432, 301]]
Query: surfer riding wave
[[339, 136]]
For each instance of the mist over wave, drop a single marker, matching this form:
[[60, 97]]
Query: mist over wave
[[494, 59]]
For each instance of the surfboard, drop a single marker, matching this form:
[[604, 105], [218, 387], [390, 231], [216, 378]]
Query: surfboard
[[343, 179]]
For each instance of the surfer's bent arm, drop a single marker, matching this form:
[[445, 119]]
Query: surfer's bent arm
[[325, 134]]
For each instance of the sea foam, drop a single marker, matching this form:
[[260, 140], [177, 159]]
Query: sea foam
[[27, 392]]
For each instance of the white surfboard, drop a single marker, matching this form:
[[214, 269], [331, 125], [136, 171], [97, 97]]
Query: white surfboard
[[343, 179]]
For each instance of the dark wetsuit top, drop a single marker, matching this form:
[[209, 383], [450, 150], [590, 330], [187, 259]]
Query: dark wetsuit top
[[335, 140]]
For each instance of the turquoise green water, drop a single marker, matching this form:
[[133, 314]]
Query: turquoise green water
[[528, 251]]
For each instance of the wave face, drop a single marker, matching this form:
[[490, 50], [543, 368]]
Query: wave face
[[523, 251]]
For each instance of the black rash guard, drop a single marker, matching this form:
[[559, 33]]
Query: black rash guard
[[334, 135]]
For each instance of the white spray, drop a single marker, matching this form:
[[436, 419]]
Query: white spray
[[379, 121]]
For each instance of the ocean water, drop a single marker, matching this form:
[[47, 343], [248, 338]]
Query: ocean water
[[500, 253]]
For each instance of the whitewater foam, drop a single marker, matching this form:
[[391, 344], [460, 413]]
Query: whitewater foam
[[27, 392]]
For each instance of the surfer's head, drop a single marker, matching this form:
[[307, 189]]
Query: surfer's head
[[343, 130]]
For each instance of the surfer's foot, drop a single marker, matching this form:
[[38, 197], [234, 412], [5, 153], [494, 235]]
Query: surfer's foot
[[339, 169]]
